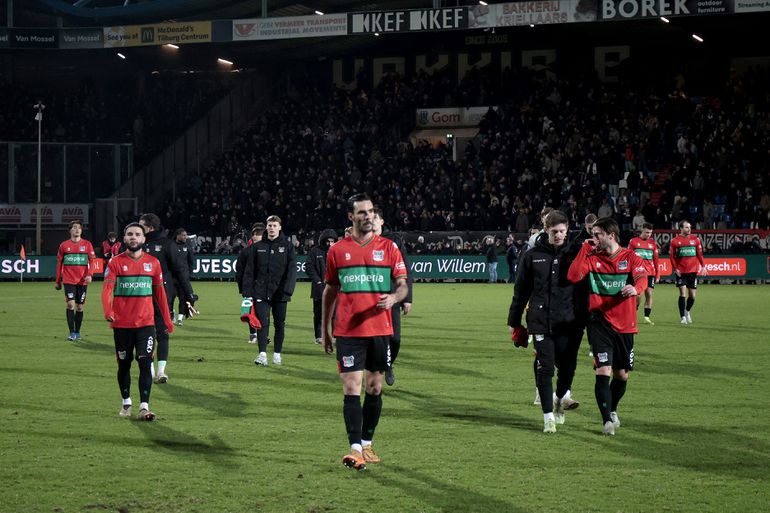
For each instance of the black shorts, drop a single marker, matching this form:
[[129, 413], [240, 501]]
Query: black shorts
[[359, 353], [129, 339], [650, 282], [610, 348], [76, 293], [689, 280]]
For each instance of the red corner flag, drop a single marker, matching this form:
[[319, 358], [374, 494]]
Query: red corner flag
[[22, 253]]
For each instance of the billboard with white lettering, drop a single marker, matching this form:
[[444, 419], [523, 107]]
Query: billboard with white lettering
[[418, 20], [636, 9], [451, 117]]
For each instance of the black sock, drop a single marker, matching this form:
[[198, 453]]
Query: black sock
[[71, 320], [124, 378], [353, 414], [545, 389], [603, 396], [618, 389], [145, 378], [647, 312], [690, 302], [78, 321], [371, 415], [681, 306]]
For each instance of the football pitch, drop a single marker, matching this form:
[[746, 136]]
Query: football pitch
[[458, 432]]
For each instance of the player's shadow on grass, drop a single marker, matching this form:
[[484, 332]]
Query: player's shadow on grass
[[90, 345], [228, 404], [216, 451], [443, 496], [435, 368], [655, 364], [693, 447], [433, 406]]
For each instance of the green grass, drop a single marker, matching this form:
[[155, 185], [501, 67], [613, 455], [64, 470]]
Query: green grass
[[458, 431]]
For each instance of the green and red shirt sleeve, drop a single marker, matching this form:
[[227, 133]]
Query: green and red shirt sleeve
[[655, 260], [59, 263], [639, 273], [159, 294], [91, 257], [672, 255], [108, 288], [580, 266]]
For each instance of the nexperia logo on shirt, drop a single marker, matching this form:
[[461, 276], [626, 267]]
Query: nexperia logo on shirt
[[607, 284], [133, 286], [686, 251], [646, 254], [365, 279], [75, 259]]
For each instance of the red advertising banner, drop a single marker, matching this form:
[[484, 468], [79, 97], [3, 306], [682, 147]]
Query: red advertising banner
[[715, 267]]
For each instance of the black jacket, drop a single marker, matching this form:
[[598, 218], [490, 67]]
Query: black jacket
[[270, 273], [186, 255], [399, 242], [159, 246], [240, 265], [315, 266], [541, 283]]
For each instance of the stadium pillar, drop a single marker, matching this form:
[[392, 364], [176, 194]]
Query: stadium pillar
[[39, 221], [264, 8], [10, 13]]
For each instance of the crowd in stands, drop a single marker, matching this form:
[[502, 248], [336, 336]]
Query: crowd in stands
[[148, 110], [577, 145]]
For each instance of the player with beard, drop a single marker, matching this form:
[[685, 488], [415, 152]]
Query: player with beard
[[616, 275], [647, 249], [74, 267], [359, 272], [134, 280], [686, 254]]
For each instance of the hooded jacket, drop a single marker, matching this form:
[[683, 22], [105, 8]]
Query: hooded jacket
[[159, 246], [543, 289], [270, 272], [316, 264]]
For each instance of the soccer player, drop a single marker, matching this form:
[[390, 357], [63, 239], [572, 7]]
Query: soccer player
[[186, 259], [359, 272], [542, 283], [269, 278], [646, 247], [74, 268], [686, 255], [159, 246], [256, 235], [405, 306], [134, 280], [316, 271], [616, 275]]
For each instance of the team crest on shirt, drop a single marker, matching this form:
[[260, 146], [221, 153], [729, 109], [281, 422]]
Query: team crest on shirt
[[158, 248], [347, 256], [378, 255], [348, 361], [125, 268], [281, 249], [147, 267], [692, 243], [82, 248], [623, 265]]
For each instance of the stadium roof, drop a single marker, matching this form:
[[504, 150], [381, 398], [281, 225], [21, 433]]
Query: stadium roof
[[100, 12]]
